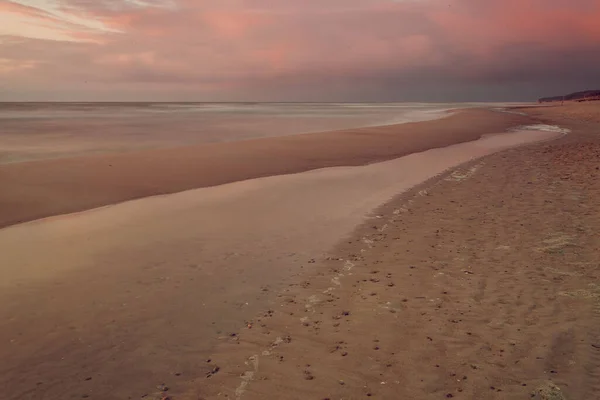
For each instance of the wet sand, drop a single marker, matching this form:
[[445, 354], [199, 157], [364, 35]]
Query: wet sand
[[113, 303], [33, 190]]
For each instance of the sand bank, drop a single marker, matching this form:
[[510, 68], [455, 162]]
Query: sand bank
[[33, 190]]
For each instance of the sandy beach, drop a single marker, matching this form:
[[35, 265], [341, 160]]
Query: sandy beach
[[306, 267], [455, 289], [299, 200]]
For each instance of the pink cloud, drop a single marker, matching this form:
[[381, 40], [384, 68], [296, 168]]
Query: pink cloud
[[232, 24], [235, 45], [517, 21], [15, 66]]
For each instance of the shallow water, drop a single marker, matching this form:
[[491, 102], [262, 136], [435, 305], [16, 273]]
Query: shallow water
[[32, 131]]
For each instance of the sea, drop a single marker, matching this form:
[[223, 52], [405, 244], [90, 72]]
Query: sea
[[36, 131]]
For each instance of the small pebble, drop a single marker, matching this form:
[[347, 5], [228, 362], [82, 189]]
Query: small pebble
[[162, 387]]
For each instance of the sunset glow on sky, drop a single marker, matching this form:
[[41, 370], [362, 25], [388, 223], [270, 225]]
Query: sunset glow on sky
[[297, 50]]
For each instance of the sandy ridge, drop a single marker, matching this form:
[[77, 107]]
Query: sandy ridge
[[33, 190]]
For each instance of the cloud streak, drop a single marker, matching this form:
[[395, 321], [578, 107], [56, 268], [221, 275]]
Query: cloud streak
[[287, 50]]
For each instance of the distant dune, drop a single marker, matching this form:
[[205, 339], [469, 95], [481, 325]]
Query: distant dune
[[588, 95]]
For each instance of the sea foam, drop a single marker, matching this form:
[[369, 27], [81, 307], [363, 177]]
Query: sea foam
[[541, 127]]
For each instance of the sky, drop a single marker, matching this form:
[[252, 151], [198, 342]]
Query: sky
[[297, 50]]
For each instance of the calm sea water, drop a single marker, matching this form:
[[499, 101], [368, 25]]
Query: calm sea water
[[33, 131]]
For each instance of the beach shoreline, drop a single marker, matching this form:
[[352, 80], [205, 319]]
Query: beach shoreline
[[157, 286]]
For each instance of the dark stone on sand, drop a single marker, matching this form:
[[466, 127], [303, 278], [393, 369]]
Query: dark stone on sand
[[215, 369], [162, 387], [308, 376]]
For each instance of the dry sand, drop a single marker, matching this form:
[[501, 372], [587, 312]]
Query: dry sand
[[571, 111], [481, 285], [33, 190], [115, 302]]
